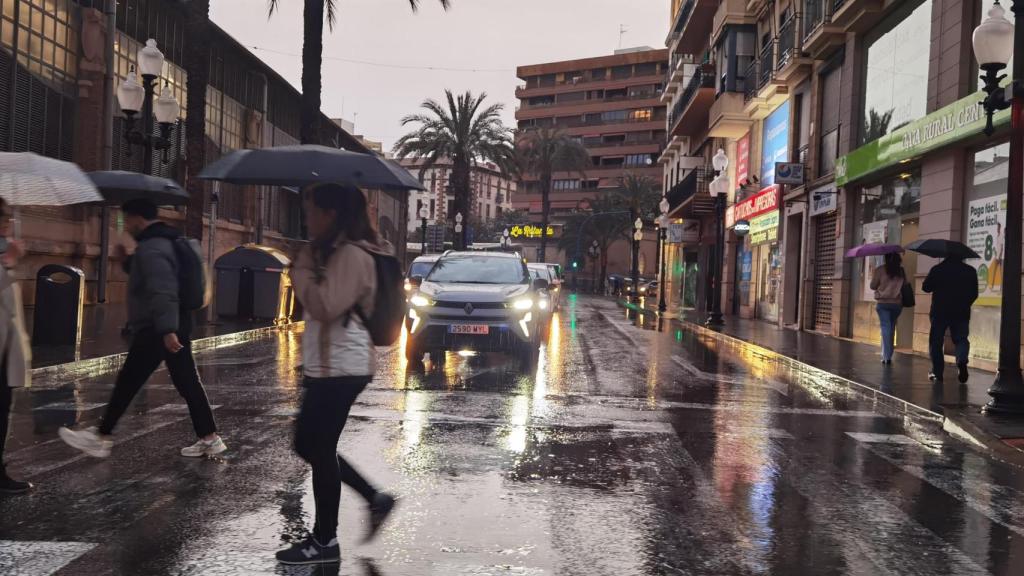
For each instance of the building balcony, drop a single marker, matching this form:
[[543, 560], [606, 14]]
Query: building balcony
[[790, 59], [675, 80], [821, 36], [763, 90], [585, 83], [645, 100], [856, 15], [690, 113], [730, 13], [727, 117], [691, 195], [690, 33]]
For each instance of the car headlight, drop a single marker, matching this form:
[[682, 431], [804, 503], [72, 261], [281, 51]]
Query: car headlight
[[523, 304], [543, 304], [420, 301]]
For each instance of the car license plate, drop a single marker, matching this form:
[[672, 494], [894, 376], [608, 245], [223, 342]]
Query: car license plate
[[469, 329]]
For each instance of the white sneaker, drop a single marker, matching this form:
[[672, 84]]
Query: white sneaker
[[204, 448], [88, 441]]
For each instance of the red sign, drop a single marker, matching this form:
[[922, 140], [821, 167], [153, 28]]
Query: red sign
[[743, 158], [764, 201]]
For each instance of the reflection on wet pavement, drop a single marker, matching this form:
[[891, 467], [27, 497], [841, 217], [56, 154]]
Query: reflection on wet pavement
[[627, 452]]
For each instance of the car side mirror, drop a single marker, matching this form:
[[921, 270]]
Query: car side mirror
[[540, 284], [416, 281]]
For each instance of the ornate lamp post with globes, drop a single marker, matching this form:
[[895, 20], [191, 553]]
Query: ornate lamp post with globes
[[996, 41], [424, 214], [664, 221], [720, 188], [134, 97], [638, 235]]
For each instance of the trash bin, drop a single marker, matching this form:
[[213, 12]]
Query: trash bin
[[60, 294], [253, 283]]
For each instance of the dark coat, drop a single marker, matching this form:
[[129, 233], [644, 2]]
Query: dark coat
[[153, 281], [953, 285]]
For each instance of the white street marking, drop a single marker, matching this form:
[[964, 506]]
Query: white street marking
[[38, 558]]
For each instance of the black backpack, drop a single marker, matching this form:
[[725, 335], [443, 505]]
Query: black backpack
[[193, 283], [389, 307]]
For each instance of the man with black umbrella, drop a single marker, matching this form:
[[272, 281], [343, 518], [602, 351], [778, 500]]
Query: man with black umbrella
[[953, 285]]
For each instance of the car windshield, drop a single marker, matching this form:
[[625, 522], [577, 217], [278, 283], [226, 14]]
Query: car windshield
[[420, 269], [478, 270], [539, 273]]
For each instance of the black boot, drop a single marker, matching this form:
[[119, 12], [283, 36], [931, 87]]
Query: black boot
[[9, 485]]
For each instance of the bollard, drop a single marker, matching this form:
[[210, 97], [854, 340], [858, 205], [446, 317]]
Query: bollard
[[60, 295]]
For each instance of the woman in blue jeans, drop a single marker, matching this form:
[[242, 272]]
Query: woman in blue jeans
[[887, 282]]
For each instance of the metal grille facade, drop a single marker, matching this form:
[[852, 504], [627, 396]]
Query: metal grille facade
[[824, 269]]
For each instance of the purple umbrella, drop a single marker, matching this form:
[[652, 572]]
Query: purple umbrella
[[873, 249]]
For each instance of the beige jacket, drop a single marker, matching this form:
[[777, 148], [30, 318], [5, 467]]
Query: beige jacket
[[335, 342], [15, 352], [887, 288]]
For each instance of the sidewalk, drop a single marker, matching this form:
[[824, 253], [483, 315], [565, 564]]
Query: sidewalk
[[902, 385], [102, 345]]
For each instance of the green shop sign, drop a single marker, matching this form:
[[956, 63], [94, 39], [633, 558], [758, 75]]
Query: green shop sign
[[961, 119]]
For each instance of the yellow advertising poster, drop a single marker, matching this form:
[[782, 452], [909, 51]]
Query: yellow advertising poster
[[986, 228]]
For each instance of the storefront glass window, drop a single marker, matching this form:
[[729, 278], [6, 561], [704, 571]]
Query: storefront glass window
[[896, 80], [984, 226]]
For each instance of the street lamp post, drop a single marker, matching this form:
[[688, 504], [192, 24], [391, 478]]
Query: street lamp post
[[593, 250], [664, 207], [424, 214], [134, 97], [996, 40], [638, 235], [506, 240], [720, 188], [461, 242]]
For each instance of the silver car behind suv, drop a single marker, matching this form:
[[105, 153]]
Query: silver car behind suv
[[479, 301]]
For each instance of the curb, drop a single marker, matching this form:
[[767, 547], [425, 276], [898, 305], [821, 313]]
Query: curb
[[104, 364], [914, 416]]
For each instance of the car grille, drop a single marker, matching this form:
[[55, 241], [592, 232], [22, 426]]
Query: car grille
[[476, 305]]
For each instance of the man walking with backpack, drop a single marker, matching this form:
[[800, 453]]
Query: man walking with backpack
[[162, 286]]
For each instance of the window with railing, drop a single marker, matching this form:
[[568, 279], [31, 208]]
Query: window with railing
[[828, 152], [816, 14], [767, 70], [789, 41]]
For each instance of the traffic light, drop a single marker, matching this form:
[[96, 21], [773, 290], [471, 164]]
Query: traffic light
[[575, 265]]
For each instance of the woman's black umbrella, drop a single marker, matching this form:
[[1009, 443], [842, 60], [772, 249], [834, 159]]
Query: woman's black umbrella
[[939, 248], [309, 164]]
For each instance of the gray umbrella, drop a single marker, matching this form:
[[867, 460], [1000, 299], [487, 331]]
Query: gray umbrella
[[118, 187], [28, 179], [309, 164]]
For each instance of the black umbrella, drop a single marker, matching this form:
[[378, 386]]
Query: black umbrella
[[308, 164], [118, 187], [939, 248]]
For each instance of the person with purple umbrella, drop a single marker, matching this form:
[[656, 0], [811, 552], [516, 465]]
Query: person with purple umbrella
[[887, 281]]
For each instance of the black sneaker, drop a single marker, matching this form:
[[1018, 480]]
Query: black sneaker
[[935, 377], [9, 485], [309, 551], [380, 509], [961, 373]]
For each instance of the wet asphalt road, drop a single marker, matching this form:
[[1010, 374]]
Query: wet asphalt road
[[628, 452]]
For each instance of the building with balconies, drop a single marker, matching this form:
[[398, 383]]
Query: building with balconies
[[612, 105]]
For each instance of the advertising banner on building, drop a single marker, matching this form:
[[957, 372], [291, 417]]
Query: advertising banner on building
[[765, 229], [764, 201], [986, 229], [959, 120], [774, 142], [687, 231], [874, 233], [743, 158]]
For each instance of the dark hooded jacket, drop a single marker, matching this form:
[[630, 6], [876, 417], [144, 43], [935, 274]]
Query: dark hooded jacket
[[153, 282]]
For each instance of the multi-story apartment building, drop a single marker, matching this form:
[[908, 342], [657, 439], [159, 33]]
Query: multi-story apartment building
[[610, 104], [51, 102], [878, 100], [491, 192]]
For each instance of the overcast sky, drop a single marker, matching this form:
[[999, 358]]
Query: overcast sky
[[491, 36]]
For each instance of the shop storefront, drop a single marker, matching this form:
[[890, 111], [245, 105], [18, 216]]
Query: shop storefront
[[824, 209], [758, 258]]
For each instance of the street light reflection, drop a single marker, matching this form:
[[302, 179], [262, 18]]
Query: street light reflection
[[518, 418]]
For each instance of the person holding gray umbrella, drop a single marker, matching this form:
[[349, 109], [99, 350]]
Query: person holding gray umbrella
[[14, 348], [953, 285]]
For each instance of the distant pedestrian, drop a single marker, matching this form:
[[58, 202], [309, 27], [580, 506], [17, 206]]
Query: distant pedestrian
[[953, 285], [161, 333], [14, 348], [887, 282], [335, 280]]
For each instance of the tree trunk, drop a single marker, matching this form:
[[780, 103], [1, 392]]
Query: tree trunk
[[460, 187], [197, 66], [312, 61], [545, 214]]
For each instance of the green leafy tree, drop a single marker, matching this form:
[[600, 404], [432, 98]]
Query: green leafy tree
[[465, 132], [542, 152], [875, 125], [606, 221], [640, 196], [313, 16]]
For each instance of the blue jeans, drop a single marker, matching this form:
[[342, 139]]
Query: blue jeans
[[887, 316], [958, 330]]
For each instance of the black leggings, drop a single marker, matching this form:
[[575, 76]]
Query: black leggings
[[6, 399], [325, 407]]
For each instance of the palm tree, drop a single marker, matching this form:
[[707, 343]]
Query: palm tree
[[197, 67], [542, 152], [875, 125], [464, 132], [606, 221], [313, 15], [639, 194]]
